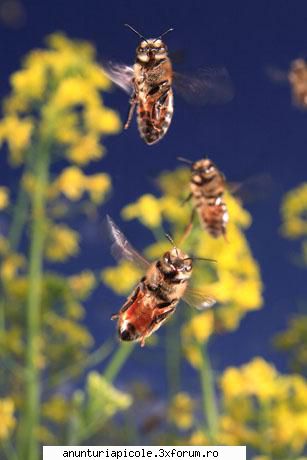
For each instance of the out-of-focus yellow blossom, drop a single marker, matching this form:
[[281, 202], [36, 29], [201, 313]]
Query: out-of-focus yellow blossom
[[7, 417], [264, 409], [52, 85], [198, 438], [56, 409], [10, 265], [98, 403], [98, 186], [45, 436], [293, 211], [102, 121], [146, 209], [256, 378], [85, 149], [62, 242], [12, 341], [71, 182], [17, 133], [121, 278], [82, 284], [4, 197], [294, 341], [197, 330], [181, 411], [74, 333]]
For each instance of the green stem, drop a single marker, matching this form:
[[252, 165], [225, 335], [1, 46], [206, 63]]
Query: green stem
[[92, 360], [118, 360], [30, 447], [208, 393], [20, 211]]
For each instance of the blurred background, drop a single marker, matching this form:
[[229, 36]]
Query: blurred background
[[234, 375]]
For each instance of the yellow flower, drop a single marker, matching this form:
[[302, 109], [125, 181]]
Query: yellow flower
[[10, 265], [82, 284], [98, 186], [293, 212], [30, 82], [17, 133], [181, 411], [73, 332], [121, 278], [231, 383], [62, 243], [4, 197], [102, 120], [7, 417], [198, 438], [72, 91], [57, 409], [71, 183], [85, 149], [147, 209]]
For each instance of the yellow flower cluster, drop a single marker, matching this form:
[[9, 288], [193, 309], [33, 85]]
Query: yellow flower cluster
[[235, 280], [62, 242], [73, 183], [7, 418], [294, 341], [100, 401], [56, 409], [181, 411], [74, 333], [62, 84], [264, 409], [293, 211], [4, 197], [82, 284], [121, 278]]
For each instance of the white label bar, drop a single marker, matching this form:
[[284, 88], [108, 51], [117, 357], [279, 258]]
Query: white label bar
[[143, 452]]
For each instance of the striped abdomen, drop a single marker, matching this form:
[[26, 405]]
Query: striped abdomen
[[154, 117]]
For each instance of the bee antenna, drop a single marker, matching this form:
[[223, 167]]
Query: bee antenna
[[170, 239], [185, 160], [201, 258], [136, 32], [164, 33]]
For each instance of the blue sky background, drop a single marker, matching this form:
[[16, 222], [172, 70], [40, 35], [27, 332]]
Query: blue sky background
[[259, 132]]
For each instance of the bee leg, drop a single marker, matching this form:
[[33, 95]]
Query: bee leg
[[133, 101], [115, 316], [189, 227], [164, 314], [130, 300]]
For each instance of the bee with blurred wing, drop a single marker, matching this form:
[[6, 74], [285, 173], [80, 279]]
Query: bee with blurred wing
[[156, 296], [150, 82]]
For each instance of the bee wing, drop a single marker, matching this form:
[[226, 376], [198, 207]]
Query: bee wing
[[254, 188], [120, 74], [277, 75], [122, 249], [208, 86], [198, 299]]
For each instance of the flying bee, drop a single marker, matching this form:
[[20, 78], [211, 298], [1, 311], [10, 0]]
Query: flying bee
[[207, 186], [150, 85], [158, 292], [296, 77]]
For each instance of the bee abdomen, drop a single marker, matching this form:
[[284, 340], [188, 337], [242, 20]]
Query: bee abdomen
[[153, 124]]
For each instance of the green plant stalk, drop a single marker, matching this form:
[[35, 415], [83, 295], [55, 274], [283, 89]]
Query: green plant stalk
[[210, 409], [92, 360], [20, 210], [118, 360], [30, 447]]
